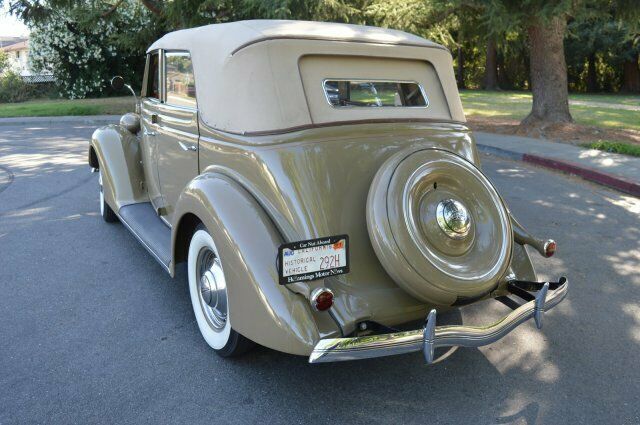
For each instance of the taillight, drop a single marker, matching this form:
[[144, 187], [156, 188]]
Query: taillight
[[550, 247], [321, 299]]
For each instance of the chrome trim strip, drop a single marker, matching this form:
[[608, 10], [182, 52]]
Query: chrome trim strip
[[187, 148], [166, 221], [144, 244], [168, 107], [431, 337]]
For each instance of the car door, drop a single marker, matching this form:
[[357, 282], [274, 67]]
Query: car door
[[151, 100], [177, 136]]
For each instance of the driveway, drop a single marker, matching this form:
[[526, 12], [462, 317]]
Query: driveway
[[93, 330]]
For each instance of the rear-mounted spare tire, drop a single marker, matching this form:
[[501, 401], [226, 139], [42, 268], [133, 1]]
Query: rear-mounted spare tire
[[438, 226]]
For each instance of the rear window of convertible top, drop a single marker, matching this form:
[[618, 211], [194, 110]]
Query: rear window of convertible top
[[363, 93]]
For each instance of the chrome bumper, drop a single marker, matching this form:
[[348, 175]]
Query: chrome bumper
[[432, 336]]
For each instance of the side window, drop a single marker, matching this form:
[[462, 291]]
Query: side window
[[181, 86], [153, 77]]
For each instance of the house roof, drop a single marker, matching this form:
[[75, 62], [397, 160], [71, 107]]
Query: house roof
[[21, 45]]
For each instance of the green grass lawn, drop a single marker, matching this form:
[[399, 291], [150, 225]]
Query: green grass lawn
[[60, 107], [615, 147], [511, 105], [516, 105]]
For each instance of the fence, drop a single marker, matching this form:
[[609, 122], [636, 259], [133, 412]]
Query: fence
[[38, 79]]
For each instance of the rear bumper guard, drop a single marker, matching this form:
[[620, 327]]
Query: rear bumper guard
[[548, 295]]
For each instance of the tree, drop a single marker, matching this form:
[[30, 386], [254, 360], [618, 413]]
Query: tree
[[592, 42], [549, 86], [630, 69], [548, 66], [165, 15], [544, 22], [427, 19], [4, 61], [490, 80], [631, 75], [507, 43], [82, 52], [348, 11]]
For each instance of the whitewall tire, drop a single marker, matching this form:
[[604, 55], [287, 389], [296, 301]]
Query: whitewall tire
[[209, 297], [106, 212]]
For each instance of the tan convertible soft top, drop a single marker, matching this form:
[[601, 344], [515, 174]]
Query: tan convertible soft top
[[266, 75]]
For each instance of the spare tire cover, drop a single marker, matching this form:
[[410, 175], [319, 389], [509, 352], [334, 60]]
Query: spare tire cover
[[438, 226]]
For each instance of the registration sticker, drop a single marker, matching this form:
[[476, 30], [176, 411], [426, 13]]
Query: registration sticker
[[313, 259]]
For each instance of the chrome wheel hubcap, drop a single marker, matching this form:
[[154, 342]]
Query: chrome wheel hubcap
[[453, 219], [212, 289]]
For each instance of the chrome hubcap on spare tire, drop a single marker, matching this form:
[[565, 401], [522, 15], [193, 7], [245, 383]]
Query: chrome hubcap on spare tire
[[453, 219], [212, 288]]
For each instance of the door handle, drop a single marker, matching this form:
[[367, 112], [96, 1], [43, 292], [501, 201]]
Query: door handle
[[150, 133], [186, 147]]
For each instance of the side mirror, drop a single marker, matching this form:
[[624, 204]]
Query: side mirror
[[117, 82]]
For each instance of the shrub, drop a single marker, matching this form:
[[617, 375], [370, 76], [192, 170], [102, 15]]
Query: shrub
[[13, 88], [615, 147]]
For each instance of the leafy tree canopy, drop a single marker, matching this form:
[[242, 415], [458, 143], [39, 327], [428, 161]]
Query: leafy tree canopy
[[607, 27]]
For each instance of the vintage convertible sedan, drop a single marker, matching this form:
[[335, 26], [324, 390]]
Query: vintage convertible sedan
[[319, 184]]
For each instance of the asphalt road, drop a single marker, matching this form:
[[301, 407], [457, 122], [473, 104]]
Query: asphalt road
[[93, 331]]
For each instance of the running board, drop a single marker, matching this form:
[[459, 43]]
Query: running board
[[141, 220]]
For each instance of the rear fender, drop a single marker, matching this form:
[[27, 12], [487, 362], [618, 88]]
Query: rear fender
[[259, 307], [116, 152]]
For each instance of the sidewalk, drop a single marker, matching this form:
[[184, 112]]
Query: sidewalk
[[620, 172]]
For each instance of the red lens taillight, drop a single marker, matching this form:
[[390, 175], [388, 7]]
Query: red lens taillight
[[321, 299], [550, 247]]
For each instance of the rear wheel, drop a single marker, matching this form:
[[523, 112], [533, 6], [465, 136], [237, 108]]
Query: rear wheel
[[105, 210], [208, 289]]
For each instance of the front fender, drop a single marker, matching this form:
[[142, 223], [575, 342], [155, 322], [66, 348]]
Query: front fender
[[259, 307], [119, 160]]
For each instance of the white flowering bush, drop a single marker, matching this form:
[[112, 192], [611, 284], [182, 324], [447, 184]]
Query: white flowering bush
[[83, 56]]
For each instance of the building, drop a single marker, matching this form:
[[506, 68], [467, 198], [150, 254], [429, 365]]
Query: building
[[17, 49], [18, 53], [7, 40]]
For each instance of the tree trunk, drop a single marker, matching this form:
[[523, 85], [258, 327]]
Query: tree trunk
[[460, 68], [548, 73], [491, 66], [152, 6], [631, 76], [592, 81]]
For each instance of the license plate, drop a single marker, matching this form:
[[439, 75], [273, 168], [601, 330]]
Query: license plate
[[313, 259]]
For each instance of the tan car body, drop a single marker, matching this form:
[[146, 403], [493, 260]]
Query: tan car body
[[267, 173]]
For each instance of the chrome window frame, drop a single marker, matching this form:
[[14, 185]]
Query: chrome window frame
[[145, 81], [161, 87], [371, 80]]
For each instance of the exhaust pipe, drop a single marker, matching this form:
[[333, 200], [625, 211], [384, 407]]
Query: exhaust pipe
[[546, 248]]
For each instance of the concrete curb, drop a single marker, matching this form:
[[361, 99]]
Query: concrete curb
[[62, 120], [595, 176]]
